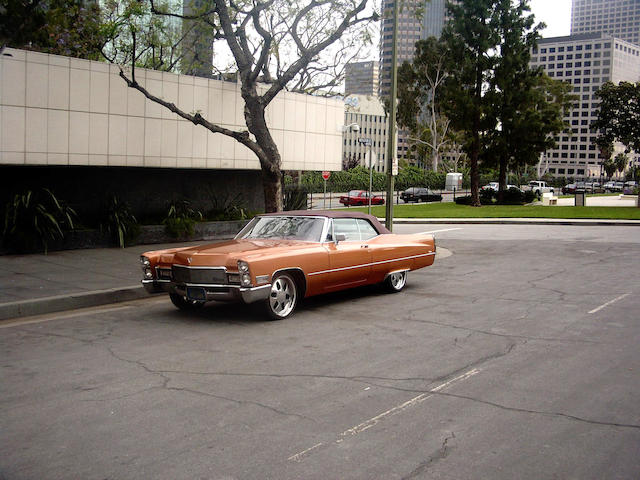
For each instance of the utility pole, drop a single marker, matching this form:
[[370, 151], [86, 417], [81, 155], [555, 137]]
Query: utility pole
[[391, 143]]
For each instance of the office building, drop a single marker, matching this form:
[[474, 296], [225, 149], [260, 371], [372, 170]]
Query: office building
[[361, 78], [368, 113], [619, 18], [586, 61]]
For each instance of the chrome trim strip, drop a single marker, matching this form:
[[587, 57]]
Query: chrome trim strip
[[197, 268], [371, 264]]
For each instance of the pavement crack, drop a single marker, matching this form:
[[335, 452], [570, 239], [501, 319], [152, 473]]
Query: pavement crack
[[239, 402], [355, 378], [439, 454], [508, 408], [164, 374], [540, 412], [503, 335]]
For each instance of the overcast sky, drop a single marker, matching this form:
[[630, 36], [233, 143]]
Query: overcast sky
[[555, 13]]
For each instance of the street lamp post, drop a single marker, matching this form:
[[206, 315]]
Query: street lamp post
[[391, 144], [367, 143]]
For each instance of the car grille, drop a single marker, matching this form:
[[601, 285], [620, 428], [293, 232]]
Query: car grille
[[182, 274]]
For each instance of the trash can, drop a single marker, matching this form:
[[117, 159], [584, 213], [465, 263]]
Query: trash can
[[580, 198]]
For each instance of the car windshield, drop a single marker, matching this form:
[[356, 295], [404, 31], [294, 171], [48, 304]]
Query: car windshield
[[290, 228]]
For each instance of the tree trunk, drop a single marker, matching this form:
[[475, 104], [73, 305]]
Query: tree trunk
[[502, 178], [475, 184], [272, 185], [270, 160]]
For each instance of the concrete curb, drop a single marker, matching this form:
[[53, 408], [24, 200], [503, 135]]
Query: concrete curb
[[72, 301]]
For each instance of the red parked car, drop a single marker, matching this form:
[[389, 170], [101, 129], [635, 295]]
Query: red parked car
[[360, 198]]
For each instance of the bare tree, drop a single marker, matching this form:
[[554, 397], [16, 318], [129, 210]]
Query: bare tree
[[279, 43], [419, 103]]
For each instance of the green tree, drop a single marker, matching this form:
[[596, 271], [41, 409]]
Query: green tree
[[72, 28], [621, 161], [471, 40], [610, 167], [619, 114], [527, 105], [283, 44]]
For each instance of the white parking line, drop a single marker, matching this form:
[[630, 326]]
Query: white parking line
[[438, 231], [609, 303], [375, 420]]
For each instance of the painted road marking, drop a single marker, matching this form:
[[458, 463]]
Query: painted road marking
[[378, 418], [609, 303]]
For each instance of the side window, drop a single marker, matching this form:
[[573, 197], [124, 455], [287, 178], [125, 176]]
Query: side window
[[347, 227], [366, 229]]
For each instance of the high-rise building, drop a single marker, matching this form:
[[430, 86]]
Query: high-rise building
[[586, 61], [361, 78], [417, 20], [620, 18], [197, 42]]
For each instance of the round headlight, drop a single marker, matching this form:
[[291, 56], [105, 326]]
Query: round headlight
[[243, 267], [144, 261], [147, 273], [245, 279]]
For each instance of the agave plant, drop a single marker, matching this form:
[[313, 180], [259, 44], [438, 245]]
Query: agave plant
[[120, 222], [33, 219], [181, 219]]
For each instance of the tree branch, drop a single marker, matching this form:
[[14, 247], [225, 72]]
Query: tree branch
[[197, 119]]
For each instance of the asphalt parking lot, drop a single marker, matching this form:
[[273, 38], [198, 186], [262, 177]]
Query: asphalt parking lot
[[514, 356]]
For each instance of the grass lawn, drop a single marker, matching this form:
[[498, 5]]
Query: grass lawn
[[452, 210]]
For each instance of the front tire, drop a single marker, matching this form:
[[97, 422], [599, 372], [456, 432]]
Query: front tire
[[283, 297], [183, 303], [396, 281]]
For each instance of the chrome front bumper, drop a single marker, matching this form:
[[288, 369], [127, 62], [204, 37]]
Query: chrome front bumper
[[221, 293]]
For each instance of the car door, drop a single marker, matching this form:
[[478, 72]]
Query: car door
[[349, 259]]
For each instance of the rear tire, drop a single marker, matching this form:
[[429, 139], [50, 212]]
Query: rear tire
[[396, 281], [183, 303], [283, 297]]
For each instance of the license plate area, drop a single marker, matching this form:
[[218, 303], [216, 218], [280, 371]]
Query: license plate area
[[196, 293]]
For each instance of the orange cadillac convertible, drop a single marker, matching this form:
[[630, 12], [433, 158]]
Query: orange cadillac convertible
[[279, 258]]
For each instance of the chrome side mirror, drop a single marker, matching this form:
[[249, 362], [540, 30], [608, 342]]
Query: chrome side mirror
[[340, 237]]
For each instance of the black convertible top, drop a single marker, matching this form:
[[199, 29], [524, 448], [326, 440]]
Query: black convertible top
[[333, 214]]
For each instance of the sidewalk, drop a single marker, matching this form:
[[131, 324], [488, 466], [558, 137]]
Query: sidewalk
[[38, 284]]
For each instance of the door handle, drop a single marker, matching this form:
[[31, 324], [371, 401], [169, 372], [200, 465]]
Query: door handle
[[364, 246]]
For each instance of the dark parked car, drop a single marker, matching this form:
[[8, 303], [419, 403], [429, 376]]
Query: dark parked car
[[570, 188], [419, 194]]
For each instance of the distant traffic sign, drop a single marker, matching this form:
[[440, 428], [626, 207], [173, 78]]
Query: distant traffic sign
[[326, 175], [365, 141]]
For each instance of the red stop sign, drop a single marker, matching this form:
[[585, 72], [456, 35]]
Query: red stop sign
[[326, 175]]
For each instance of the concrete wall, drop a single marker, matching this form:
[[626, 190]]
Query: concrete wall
[[64, 111]]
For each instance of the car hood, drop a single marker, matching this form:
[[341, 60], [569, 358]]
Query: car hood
[[229, 252]]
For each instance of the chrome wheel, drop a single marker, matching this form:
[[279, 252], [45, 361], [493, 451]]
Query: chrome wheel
[[283, 297], [396, 281]]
